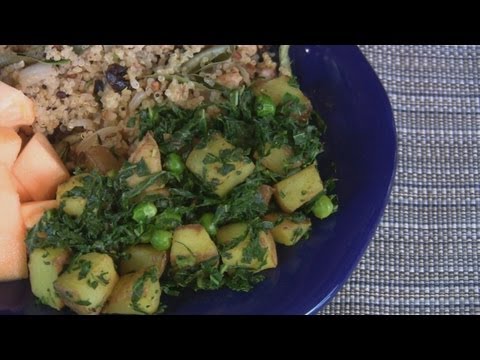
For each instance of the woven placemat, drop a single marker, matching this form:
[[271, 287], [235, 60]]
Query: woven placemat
[[424, 258]]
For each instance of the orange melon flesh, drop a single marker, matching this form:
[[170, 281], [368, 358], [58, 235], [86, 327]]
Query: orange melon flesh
[[13, 252], [15, 108], [10, 144], [39, 169], [22, 192], [33, 211]]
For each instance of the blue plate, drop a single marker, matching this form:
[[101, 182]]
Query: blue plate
[[361, 140]]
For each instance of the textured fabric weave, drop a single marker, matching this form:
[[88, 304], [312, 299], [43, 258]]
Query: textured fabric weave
[[425, 256]]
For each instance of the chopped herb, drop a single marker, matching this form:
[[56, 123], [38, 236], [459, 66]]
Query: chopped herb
[[84, 266], [138, 288], [242, 279], [226, 168], [102, 278], [83, 303], [131, 122], [297, 235], [93, 284]]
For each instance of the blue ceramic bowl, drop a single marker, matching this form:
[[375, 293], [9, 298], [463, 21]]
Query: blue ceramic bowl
[[361, 140]]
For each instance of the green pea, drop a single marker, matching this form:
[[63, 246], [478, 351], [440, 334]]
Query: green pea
[[174, 163], [144, 211], [323, 207], [161, 240], [207, 222], [264, 106]]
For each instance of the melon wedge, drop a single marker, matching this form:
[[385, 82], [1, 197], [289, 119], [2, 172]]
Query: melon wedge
[[22, 192], [33, 211], [13, 253], [10, 144], [15, 108], [39, 169]]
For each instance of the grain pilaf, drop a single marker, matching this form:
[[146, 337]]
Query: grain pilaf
[[87, 88]]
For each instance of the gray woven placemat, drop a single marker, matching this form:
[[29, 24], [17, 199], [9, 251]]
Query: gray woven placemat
[[425, 256]]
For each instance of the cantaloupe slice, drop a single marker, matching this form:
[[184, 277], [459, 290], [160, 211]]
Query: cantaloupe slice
[[15, 108], [39, 169], [33, 211], [10, 144], [22, 192], [13, 253]]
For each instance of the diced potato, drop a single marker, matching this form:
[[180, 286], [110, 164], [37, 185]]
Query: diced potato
[[211, 173], [153, 190], [45, 265], [277, 88], [135, 294], [147, 150], [266, 192], [73, 205], [228, 233], [100, 158], [298, 189], [234, 257], [141, 257], [276, 159], [288, 232], [191, 245], [87, 283]]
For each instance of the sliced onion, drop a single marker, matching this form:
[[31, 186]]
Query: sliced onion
[[87, 143], [95, 138], [245, 74], [83, 123], [136, 100], [36, 73], [108, 131], [73, 139]]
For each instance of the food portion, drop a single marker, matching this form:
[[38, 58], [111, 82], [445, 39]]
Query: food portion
[[33, 211], [10, 144], [13, 254], [87, 283], [136, 293], [131, 173], [39, 169], [45, 266], [16, 109]]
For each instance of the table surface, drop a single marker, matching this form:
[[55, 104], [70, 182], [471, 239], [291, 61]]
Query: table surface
[[424, 258]]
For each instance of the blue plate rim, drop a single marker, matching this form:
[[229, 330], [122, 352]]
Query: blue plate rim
[[380, 212]]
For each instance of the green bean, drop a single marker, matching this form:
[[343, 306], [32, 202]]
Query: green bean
[[205, 57]]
